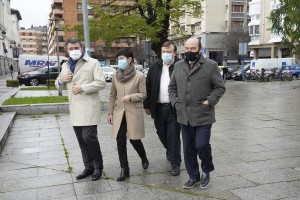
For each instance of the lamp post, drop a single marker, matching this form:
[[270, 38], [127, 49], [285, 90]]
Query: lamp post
[[56, 28]]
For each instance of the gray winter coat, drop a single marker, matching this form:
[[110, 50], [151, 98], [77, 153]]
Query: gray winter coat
[[188, 89]]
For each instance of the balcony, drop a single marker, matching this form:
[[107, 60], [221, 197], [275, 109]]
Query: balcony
[[57, 11], [237, 15], [57, 1]]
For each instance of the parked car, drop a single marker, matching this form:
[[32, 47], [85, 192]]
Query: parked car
[[108, 72], [293, 70], [238, 75], [231, 70], [36, 77]]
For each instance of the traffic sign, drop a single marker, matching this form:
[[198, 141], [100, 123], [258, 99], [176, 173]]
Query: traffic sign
[[243, 49]]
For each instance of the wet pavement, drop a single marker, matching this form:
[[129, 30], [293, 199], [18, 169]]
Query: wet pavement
[[255, 143]]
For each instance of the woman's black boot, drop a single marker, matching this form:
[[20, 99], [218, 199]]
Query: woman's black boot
[[124, 174]]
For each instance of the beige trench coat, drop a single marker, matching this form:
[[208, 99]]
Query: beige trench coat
[[136, 88], [85, 106]]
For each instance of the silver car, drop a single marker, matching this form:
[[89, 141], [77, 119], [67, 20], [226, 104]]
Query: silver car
[[108, 72]]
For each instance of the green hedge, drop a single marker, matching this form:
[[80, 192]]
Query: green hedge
[[51, 82], [12, 83]]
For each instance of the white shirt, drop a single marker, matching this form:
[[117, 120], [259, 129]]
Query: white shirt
[[163, 96]]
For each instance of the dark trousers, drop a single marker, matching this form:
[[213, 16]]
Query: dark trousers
[[168, 131], [196, 142], [122, 148], [89, 145]]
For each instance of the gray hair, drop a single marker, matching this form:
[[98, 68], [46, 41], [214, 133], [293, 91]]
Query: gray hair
[[73, 41]]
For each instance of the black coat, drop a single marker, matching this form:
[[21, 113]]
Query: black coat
[[153, 85]]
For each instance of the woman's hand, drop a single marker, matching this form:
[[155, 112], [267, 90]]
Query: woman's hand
[[126, 98], [110, 119]]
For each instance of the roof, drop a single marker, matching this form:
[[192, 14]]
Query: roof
[[38, 28], [16, 12]]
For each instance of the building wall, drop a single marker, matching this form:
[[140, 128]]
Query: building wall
[[31, 41]]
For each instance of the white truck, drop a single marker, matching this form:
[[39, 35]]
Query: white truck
[[32, 62], [271, 63]]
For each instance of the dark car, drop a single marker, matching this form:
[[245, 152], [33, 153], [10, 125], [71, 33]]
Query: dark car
[[293, 70], [238, 75], [34, 78]]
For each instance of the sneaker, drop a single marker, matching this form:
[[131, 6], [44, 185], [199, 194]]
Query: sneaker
[[191, 183], [204, 181], [175, 171]]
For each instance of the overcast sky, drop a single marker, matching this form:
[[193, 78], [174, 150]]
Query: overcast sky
[[33, 12]]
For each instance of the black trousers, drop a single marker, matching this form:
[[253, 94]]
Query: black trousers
[[122, 148], [196, 142], [168, 131], [89, 145]]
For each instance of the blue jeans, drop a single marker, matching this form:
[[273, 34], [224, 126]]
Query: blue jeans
[[196, 142], [168, 131]]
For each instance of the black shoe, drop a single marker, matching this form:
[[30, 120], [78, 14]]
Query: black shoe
[[124, 174], [191, 183], [97, 175], [175, 171], [145, 164], [204, 180], [85, 173]]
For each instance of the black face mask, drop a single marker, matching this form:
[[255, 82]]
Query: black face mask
[[191, 56]]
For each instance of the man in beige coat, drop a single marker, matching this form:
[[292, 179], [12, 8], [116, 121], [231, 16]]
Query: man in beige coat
[[84, 78]]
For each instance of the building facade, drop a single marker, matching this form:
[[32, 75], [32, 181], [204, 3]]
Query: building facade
[[264, 43], [34, 40], [69, 13], [9, 36], [219, 19]]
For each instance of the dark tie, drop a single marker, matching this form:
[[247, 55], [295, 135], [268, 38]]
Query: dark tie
[[191, 66]]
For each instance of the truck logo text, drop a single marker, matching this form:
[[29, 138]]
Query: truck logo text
[[35, 63]]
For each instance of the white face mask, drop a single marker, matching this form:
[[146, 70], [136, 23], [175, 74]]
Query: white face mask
[[75, 54], [167, 57]]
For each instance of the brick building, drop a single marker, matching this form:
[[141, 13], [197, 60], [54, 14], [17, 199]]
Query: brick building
[[34, 40], [69, 12]]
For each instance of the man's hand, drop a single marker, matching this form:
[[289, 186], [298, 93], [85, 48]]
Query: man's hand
[[126, 98], [147, 111], [205, 102], [66, 78], [110, 119], [76, 88]]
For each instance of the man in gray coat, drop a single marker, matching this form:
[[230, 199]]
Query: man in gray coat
[[195, 88]]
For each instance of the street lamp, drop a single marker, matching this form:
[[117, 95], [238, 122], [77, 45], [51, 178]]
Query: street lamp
[[57, 28]]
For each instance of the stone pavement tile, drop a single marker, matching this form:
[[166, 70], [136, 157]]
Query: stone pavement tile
[[18, 174], [57, 168], [273, 164], [232, 169], [47, 171], [122, 185], [7, 166], [36, 182], [56, 192], [30, 194], [292, 198], [166, 194], [47, 161], [269, 191], [18, 158], [132, 194], [51, 154], [273, 176], [92, 187]]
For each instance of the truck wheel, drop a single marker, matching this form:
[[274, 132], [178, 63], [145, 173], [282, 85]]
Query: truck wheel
[[34, 82]]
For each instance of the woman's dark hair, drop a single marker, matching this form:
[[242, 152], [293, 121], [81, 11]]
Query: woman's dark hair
[[125, 52]]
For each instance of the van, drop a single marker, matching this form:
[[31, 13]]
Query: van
[[32, 62], [271, 63]]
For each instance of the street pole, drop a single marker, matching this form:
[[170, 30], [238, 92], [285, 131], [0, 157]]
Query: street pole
[[86, 27], [57, 53]]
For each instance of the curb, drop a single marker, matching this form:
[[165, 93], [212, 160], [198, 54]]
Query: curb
[[7, 120], [38, 109]]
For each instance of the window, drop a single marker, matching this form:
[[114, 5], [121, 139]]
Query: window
[[30, 34], [79, 17], [237, 8], [79, 7], [256, 29], [23, 34]]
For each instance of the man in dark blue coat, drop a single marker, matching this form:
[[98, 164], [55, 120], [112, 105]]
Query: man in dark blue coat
[[158, 105]]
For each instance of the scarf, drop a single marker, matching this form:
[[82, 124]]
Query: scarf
[[126, 74]]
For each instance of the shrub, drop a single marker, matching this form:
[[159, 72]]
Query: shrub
[[51, 82], [12, 83]]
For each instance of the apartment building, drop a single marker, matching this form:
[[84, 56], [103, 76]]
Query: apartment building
[[34, 40], [219, 18], [69, 12], [9, 36], [264, 43]]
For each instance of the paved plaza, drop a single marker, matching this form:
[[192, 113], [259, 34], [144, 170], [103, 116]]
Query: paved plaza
[[255, 143]]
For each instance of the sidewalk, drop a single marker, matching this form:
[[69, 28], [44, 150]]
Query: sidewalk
[[255, 143]]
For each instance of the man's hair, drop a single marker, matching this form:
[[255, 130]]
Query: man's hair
[[73, 41], [125, 52], [170, 43]]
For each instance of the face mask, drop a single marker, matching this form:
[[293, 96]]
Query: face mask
[[191, 56], [75, 54], [167, 57], [122, 64]]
